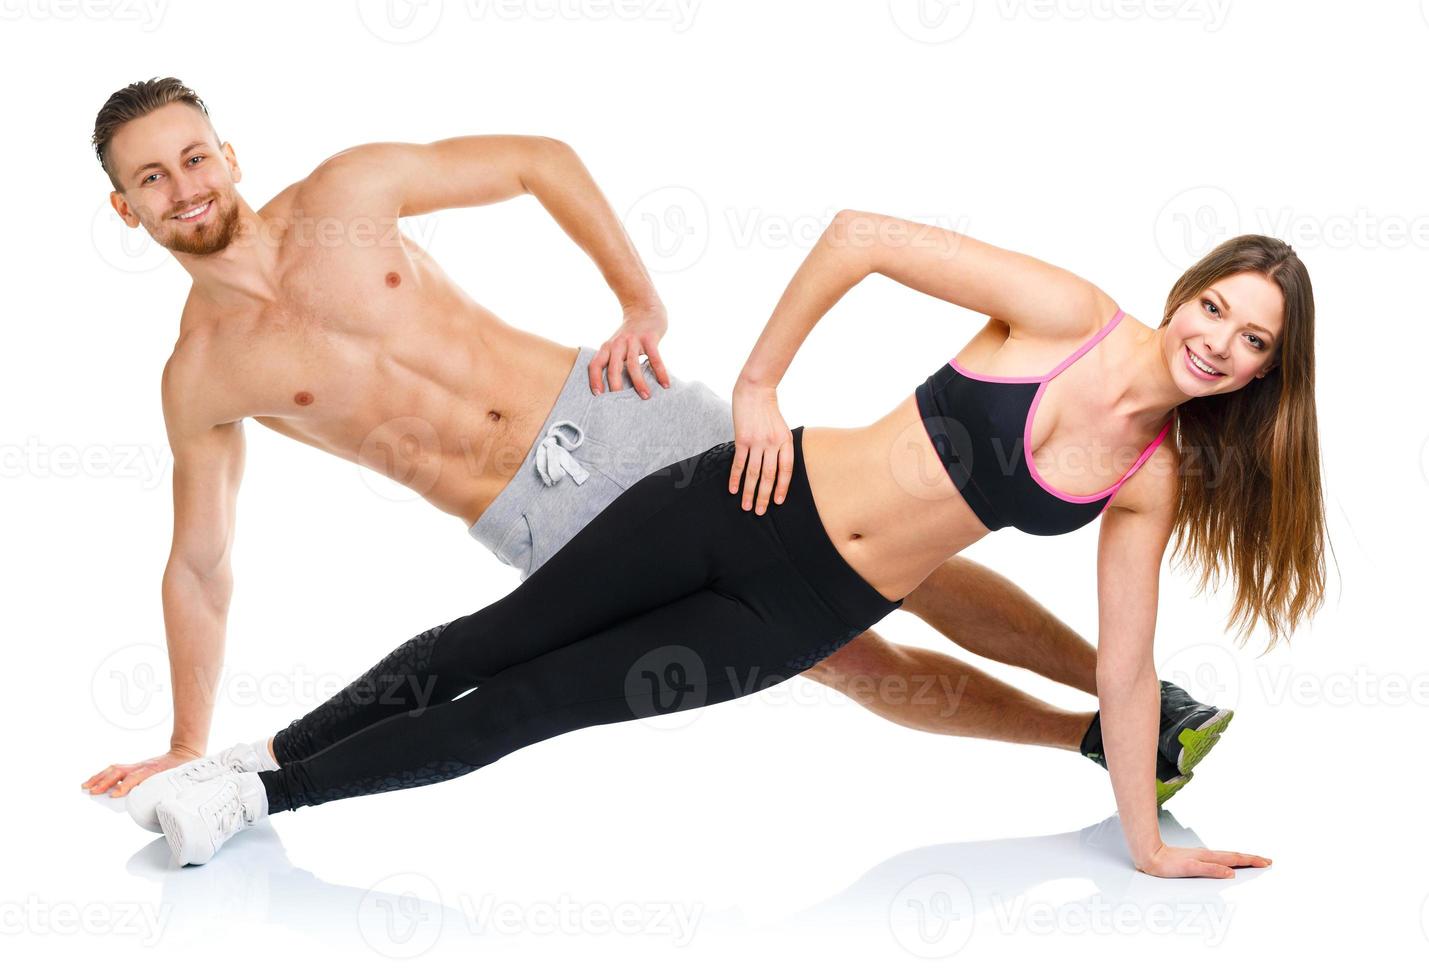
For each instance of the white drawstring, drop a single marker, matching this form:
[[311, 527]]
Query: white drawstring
[[553, 458]]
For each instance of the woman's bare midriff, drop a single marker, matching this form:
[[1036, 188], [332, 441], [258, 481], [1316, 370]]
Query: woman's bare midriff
[[886, 501]]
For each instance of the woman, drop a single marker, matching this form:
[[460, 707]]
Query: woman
[[732, 601]]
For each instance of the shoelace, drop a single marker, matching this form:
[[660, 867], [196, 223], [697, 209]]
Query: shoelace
[[202, 770], [553, 457], [226, 813], [230, 810]]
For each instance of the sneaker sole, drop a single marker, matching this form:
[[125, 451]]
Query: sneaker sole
[[1197, 742], [143, 809], [1168, 789], [172, 835]]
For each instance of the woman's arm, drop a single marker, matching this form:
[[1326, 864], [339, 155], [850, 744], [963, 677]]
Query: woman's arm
[[1026, 293], [1031, 296], [1133, 540]]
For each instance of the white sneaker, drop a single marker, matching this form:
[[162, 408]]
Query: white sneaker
[[200, 819], [143, 800]]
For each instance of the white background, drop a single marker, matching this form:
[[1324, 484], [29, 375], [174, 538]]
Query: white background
[[786, 833]]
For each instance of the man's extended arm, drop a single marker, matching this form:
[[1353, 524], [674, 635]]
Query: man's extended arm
[[198, 579], [467, 171]]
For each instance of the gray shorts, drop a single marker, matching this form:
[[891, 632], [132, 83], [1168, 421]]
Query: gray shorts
[[589, 450]]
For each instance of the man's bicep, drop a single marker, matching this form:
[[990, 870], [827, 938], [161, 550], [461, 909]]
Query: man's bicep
[[418, 178], [207, 472], [208, 467]]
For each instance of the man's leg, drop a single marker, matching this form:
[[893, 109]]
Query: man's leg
[[990, 615], [986, 614], [933, 692]]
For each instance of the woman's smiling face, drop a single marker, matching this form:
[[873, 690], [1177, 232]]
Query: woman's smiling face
[[1231, 327]]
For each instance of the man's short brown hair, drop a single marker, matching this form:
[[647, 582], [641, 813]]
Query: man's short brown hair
[[131, 102]]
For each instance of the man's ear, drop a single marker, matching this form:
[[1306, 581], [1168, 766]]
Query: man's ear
[[232, 159], [121, 208]]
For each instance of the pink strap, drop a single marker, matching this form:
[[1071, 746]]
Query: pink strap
[[1145, 455], [1111, 324]]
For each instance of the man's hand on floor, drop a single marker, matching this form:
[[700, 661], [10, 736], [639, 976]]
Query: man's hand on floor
[[122, 777]]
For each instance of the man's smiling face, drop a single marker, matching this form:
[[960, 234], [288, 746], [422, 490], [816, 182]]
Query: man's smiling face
[[178, 181]]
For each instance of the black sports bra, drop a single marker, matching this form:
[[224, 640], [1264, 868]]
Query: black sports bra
[[981, 427]]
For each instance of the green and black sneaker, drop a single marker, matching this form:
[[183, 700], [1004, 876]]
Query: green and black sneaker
[[1189, 730]]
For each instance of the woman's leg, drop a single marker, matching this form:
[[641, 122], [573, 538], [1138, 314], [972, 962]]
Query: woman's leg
[[776, 599], [696, 650], [640, 552]]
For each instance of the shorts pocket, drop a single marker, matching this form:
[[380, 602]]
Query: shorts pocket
[[518, 546], [630, 439], [563, 510], [629, 391]]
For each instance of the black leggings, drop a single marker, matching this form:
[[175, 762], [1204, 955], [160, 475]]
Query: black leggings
[[671, 598]]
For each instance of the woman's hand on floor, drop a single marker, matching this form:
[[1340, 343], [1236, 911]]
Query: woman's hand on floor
[[1198, 862], [763, 447]]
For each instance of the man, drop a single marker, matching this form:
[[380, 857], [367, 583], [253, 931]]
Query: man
[[318, 318]]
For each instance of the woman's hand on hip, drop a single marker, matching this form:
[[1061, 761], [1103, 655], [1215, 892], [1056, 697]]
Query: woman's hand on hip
[[763, 447]]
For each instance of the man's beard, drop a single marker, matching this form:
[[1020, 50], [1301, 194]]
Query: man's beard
[[213, 234]]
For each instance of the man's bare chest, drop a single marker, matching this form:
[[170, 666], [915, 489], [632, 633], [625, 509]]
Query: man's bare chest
[[344, 322]]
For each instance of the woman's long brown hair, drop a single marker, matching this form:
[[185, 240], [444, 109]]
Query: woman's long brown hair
[[1251, 503]]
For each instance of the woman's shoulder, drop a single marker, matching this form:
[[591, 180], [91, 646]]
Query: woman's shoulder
[[1155, 487]]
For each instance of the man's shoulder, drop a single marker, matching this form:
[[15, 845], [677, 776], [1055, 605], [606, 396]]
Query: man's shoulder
[[359, 178], [195, 393], [180, 384]]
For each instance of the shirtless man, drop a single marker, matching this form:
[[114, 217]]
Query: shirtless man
[[318, 318]]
